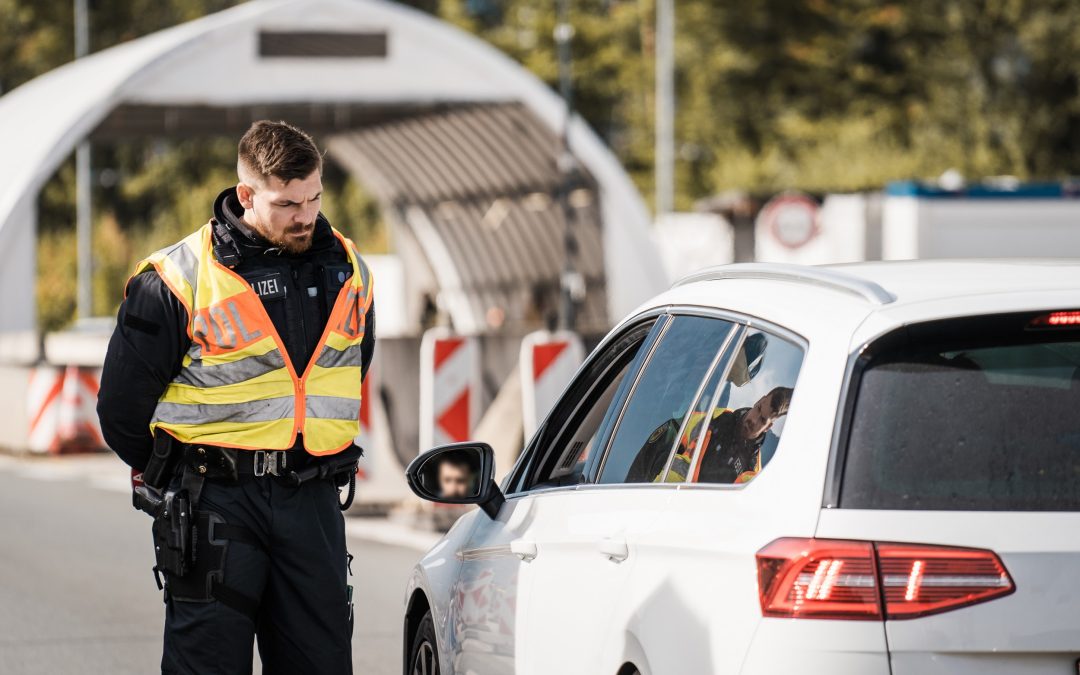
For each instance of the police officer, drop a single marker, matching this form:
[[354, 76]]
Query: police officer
[[236, 364], [733, 451]]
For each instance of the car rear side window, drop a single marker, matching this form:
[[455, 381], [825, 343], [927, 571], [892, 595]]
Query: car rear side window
[[661, 398], [737, 436], [967, 415]]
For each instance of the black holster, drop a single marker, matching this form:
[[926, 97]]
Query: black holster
[[172, 509], [190, 543], [172, 531], [163, 460], [157, 475]]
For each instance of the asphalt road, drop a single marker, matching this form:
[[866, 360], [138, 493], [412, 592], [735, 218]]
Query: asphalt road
[[77, 594]]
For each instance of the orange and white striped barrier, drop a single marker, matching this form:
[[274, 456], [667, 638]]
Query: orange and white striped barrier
[[42, 405], [62, 404], [449, 387], [548, 361]]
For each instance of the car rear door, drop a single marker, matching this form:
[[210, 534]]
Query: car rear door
[[699, 574], [964, 435]]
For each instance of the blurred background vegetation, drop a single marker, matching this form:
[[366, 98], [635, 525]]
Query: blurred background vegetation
[[819, 95]]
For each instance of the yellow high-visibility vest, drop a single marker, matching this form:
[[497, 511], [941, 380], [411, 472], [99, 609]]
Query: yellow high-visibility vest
[[237, 387], [683, 460]]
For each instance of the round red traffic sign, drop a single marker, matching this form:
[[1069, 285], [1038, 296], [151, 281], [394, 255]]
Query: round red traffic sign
[[791, 218]]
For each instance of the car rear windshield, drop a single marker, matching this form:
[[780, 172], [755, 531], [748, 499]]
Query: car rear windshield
[[972, 414]]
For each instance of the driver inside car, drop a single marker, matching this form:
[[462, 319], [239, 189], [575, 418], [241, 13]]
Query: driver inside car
[[455, 478]]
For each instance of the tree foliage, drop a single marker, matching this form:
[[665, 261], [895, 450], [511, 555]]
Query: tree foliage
[[772, 94], [819, 94]]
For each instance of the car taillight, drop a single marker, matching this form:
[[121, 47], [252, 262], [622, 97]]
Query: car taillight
[[920, 580], [1067, 319], [835, 579], [818, 579]]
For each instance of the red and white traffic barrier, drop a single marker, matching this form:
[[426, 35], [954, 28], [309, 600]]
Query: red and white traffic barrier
[[548, 361], [62, 404], [42, 405], [449, 387]]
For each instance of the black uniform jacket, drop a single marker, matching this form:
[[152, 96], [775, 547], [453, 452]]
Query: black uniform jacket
[[148, 346], [728, 454]]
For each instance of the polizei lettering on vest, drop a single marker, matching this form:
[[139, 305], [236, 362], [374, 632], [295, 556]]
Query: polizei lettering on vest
[[269, 287], [218, 328]]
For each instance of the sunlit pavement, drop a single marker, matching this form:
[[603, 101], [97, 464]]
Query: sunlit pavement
[[77, 593]]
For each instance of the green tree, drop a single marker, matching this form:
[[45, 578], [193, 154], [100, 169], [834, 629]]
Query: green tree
[[819, 94], [772, 94]]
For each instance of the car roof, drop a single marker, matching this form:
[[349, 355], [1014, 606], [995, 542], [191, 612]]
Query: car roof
[[898, 282], [923, 280], [862, 300]]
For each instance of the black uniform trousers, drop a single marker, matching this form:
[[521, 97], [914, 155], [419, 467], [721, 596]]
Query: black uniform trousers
[[298, 576]]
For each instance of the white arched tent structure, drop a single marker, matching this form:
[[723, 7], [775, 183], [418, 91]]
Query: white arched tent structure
[[366, 72]]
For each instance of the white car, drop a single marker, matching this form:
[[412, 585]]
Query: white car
[[865, 469]]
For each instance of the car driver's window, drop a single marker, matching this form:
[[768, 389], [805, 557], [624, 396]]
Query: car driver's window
[[653, 417], [747, 412], [582, 419]]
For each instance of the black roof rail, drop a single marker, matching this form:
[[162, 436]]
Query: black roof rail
[[802, 274]]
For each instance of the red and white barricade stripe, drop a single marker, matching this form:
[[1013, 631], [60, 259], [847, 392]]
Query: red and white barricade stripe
[[449, 387], [548, 361], [43, 405], [62, 404]]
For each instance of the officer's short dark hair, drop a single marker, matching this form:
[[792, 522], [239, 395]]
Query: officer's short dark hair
[[780, 400], [278, 149], [458, 461]]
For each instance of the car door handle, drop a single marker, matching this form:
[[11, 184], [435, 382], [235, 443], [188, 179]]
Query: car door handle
[[615, 549], [526, 550]]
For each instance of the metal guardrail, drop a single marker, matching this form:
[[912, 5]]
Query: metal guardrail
[[814, 276]]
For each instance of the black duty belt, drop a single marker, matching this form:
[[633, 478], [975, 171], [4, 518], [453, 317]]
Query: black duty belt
[[214, 462], [295, 467]]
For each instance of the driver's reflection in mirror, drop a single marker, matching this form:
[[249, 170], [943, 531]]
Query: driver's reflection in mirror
[[453, 475]]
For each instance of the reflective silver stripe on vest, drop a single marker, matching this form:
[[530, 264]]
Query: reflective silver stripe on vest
[[365, 276], [232, 372], [337, 358], [265, 410], [195, 351], [184, 258], [332, 408]]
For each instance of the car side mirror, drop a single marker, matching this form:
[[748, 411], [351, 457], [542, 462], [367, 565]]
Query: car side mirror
[[460, 473]]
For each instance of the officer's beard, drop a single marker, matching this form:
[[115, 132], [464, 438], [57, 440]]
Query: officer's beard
[[294, 239]]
